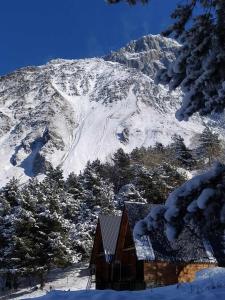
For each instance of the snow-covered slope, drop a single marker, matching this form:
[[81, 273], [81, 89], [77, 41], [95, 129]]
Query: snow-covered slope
[[71, 284], [70, 111], [208, 285]]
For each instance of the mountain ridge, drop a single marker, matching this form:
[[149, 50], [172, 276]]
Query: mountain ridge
[[70, 111]]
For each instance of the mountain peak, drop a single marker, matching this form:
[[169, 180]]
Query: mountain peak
[[147, 54]]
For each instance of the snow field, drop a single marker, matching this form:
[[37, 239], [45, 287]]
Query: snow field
[[209, 285]]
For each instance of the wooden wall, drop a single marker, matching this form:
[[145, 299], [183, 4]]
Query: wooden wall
[[164, 273], [102, 268], [131, 270], [160, 273]]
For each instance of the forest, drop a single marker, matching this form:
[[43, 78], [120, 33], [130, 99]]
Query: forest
[[50, 223]]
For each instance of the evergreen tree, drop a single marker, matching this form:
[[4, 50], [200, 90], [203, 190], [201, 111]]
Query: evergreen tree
[[198, 203], [129, 193], [180, 153], [16, 219], [121, 170], [199, 67], [210, 145], [51, 232], [100, 193], [55, 175], [156, 184]]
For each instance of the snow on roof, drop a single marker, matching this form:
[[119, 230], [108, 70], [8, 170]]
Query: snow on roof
[[154, 245], [109, 226], [144, 248]]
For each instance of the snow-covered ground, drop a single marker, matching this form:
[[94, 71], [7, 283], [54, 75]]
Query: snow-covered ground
[[73, 278], [209, 285], [71, 285]]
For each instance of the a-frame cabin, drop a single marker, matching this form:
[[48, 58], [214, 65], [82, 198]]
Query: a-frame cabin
[[154, 261], [122, 262]]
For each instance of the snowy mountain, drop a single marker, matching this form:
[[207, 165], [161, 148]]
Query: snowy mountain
[[70, 111]]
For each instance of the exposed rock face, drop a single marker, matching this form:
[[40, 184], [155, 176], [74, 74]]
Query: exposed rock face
[[70, 111], [148, 54]]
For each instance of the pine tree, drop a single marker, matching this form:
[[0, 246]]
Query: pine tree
[[55, 176], [100, 192], [155, 184], [198, 203], [129, 193], [51, 231], [180, 153], [16, 220], [121, 170], [210, 145]]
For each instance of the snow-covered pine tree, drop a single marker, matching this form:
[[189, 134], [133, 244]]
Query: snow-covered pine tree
[[74, 196], [199, 203], [199, 66], [16, 221], [55, 175], [210, 145], [180, 154], [51, 233], [121, 170], [100, 192], [129, 193], [156, 183], [72, 184]]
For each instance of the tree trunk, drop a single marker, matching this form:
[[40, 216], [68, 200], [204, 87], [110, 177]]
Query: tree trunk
[[42, 281]]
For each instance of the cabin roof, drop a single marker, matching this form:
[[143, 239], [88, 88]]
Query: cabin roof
[[155, 246], [217, 240], [109, 226]]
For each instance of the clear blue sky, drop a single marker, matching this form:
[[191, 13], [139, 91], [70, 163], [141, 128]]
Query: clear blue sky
[[35, 31]]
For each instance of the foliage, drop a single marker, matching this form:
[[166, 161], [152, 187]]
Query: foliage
[[198, 203], [210, 145], [51, 223]]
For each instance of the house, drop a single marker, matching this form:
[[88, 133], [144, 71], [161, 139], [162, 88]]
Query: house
[[122, 262]]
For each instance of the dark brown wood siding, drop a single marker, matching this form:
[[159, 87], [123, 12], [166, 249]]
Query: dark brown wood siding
[[129, 270], [164, 273], [102, 268]]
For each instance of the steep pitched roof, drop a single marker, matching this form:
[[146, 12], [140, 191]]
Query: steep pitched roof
[[109, 226], [155, 246]]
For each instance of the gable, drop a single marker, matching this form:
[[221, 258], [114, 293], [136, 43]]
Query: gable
[[109, 228], [97, 245]]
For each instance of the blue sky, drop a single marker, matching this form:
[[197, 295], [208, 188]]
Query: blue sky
[[35, 31]]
